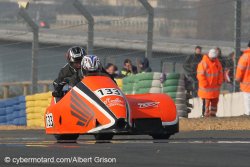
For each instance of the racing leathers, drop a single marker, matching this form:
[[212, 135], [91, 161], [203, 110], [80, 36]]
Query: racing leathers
[[67, 75]]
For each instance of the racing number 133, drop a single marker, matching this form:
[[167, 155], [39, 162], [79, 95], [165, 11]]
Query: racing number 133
[[49, 120], [108, 91]]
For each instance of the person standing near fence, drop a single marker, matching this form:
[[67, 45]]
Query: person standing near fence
[[190, 67], [243, 76], [229, 72], [210, 79]]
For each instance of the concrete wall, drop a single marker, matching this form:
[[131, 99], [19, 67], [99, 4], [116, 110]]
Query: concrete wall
[[229, 105]]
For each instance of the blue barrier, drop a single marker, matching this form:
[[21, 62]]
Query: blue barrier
[[3, 119], [2, 104], [22, 113], [13, 111], [21, 99], [2, 112], [22, 106], [22, 121]]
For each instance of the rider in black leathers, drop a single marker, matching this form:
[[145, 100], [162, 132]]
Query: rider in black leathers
[[71, 72]]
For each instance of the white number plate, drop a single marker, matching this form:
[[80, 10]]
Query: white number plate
[[49, 120], [108, 92]]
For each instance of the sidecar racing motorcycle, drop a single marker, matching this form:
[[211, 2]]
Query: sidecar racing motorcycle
[[96, 106]]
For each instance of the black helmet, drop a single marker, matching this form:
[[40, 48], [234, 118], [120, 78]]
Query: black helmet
[[75, 54]]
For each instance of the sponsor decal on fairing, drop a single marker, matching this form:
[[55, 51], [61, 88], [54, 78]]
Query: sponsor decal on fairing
[[113, 102], [148, 104]]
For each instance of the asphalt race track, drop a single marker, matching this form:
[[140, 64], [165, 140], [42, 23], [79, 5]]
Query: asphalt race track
[[200, 148]]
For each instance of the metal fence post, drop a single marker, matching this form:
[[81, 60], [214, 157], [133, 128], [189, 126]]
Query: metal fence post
[[90, 20], [237, 37], [150, 30], [35, 29]]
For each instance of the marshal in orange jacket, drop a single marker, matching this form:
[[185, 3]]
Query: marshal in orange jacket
[[243, 71], [210, 77]]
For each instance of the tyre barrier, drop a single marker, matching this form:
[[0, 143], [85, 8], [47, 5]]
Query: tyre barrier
[[128, 84], [12, 111], [119, 83], [175, 87], [24, 111], [148, 90], [148, 84], [142, 83], [36, 106], [148, 76], [2, 112]]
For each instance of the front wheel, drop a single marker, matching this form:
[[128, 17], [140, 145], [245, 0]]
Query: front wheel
[[104, 136], [160, 136], [66, 137]]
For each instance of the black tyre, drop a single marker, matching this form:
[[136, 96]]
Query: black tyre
[[104, 136], [180, 101], [160, 136], [181, 107], [182, 113], [67, 137]]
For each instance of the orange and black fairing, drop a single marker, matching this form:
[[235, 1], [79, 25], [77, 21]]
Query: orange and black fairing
[[97, 104], [80, 110]]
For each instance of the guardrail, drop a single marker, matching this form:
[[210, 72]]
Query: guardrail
[[27, 84], [24, 85]]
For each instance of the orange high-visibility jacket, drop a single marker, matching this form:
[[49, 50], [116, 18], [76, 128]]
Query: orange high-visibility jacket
[[243, 71], [210, 77]]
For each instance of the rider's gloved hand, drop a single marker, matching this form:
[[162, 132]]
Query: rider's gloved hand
[[66, 81], [57, 93]]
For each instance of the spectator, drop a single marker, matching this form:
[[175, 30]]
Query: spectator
[[229, 68], [210, 77], [112, 70], [144, 66], [128, 68], [221, 58], [190, 66], [243, 76]]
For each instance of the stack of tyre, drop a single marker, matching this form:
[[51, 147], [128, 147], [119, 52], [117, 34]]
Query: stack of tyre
[[36, 106], [148, 83], [3, 119], [128, 84], [12, 111], [119, 83], [174, 86], [20, 110]]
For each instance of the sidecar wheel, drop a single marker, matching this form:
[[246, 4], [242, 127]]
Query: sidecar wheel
[[104, 136], [66, 137], [160, 136]]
